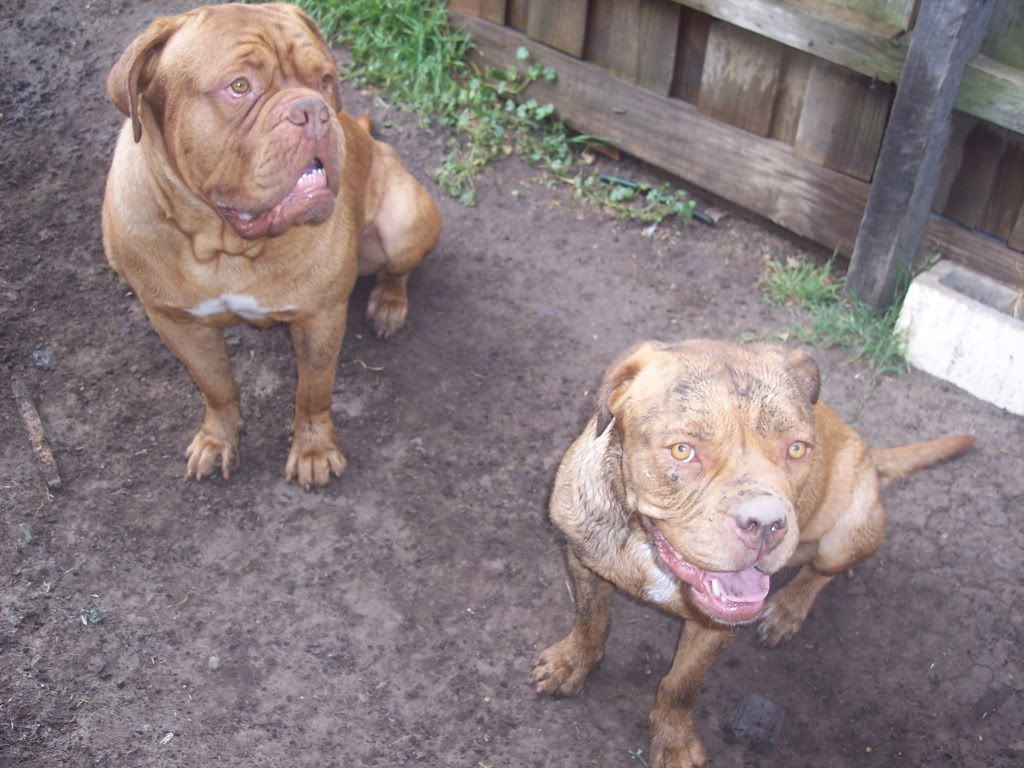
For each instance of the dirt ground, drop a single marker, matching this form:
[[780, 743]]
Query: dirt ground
[[392, 619]]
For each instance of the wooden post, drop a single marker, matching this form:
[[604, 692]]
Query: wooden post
[[946, 37]]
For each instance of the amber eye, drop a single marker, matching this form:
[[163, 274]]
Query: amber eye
[[683, 452], [239, 86], [798, 449]]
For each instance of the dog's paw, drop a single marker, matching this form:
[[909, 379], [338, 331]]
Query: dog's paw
[[314, 455], [674, 740], [778, 623], [314, 465], [562, 669], [387, 310], [208, 449], [689, 754]]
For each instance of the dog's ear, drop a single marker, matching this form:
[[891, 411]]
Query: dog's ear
[[617, 379], [134, 70], [804, 369], [315, 29]]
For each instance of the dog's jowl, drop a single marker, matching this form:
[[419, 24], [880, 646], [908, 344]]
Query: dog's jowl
[[239, 192], [708, 467]]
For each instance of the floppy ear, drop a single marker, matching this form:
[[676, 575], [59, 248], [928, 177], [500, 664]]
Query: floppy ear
[[309, 22], [615, 385], [804, 369], [133, 71]]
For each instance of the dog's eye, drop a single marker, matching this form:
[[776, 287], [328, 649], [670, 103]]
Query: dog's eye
[[683, 452], [798, 449], [239, 86]]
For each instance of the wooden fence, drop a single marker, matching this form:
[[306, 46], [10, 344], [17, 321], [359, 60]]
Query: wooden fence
[[779, 106]]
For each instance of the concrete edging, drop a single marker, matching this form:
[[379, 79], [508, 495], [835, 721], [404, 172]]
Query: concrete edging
[[958, 326]]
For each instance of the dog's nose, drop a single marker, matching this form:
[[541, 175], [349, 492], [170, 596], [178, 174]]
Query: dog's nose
[[761, 521], [311, 114]]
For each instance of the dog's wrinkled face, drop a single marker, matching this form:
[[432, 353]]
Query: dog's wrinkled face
[[253, 131], [717, 440]]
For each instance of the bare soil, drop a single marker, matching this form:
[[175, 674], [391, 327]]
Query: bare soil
[[392, 619]]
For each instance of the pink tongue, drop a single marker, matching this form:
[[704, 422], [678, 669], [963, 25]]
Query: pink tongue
[[749, 586]]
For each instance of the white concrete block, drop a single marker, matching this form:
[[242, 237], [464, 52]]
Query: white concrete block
[[959, 327]]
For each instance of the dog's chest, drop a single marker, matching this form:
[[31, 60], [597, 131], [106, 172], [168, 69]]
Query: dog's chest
[[243, 305]]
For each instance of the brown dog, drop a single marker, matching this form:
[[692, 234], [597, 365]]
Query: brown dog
[[708, 467], [237, 193]]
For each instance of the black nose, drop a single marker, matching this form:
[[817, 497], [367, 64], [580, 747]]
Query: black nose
[[312, 114], [761, 521]]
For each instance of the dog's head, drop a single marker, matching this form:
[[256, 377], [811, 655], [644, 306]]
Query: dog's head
[[241, 102], [717, 441]]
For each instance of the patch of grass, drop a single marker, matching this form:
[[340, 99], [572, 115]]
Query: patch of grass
[[407, 48], [834, 320]]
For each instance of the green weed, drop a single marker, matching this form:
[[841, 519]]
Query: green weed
[[407, 48], [831, 319]]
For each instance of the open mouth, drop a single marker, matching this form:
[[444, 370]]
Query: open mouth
[[310, 199], [731, 597]]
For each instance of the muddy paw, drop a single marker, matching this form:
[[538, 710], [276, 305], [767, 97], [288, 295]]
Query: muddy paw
[[778, 623], [562, 669], [687, 755], [386, 311], [674, 740], [314, 465], [206, 450]]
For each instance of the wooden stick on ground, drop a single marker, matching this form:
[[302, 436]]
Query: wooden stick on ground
[[36, 435]]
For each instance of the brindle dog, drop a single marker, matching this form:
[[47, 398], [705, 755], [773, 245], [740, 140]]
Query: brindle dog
[[708, 467]]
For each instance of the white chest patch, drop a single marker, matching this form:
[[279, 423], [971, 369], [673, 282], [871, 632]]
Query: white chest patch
[[245, 306], [661, 588]]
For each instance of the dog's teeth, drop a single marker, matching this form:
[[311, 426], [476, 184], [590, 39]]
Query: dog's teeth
[[716, 588], [245, 216]]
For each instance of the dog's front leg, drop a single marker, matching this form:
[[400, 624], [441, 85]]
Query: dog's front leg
[[674, 740], [314, 454], [203, 351], [562, 669]]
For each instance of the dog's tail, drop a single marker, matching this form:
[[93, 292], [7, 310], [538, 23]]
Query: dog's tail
[[896, 463]]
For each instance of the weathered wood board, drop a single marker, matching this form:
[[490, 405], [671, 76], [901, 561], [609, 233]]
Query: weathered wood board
[[740, 78], [843, 119], [517, 14], [968, 195], [635, 40], [947, 35], [1005, 39], [789, 100], [990, 89], [562, 25], [491, 10], [689, 59]]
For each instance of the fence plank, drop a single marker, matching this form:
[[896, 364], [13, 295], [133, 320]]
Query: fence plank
[[635, 40], [990, 89], [1005, 39], [659, 35], [491, 10], [895, 12], [947, 35], [1017, 239], [962, 125], [789, 102], [982, 150], [762, 175], [689, 65], [1007, 195], [517, 14], [561, 25], [741, 76], [843, 120]]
